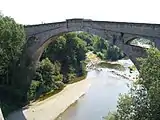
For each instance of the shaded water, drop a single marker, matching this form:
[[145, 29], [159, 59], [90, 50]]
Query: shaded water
[[99, 99], [113, 66]]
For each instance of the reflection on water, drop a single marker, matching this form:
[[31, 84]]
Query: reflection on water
[[99, 99]]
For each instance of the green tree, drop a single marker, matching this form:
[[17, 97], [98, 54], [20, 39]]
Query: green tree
[[150, 72], [47, 78], [12, 39], [143, 101], [47, 71], [114, 53], [69, 50]]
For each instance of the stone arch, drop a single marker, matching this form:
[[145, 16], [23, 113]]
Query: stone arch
[[39, 37], [36, 43], [43, 39], [129, 38]]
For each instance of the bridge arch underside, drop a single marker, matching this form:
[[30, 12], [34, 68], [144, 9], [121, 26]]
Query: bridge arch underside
[[41, 40]]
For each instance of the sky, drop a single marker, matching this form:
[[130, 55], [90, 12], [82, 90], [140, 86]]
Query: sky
[[38, 11]]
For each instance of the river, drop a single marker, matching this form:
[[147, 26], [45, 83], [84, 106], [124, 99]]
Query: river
[[102, 96]]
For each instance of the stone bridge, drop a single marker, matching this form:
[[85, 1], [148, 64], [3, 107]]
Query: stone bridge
[[117, 33]]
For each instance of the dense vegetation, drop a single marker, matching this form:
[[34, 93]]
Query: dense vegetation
[[101, 47], [142, 102], [62, 62], [12, 39]]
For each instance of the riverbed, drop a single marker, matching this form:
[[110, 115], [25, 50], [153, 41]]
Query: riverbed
[[99, 94], [102, 96]]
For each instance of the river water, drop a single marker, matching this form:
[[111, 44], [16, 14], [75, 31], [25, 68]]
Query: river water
[[102, 96]]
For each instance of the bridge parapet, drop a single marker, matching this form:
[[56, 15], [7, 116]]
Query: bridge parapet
[[74, 24], [41, 28], [134, 29]]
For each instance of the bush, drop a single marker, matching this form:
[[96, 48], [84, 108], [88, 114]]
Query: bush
[[58, 77], [47, 78], [90, 48], [71, 76], [60, 85], [100, 55], [33, 90]]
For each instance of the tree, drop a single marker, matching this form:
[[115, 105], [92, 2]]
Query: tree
[[47, 78], [69, 50], [150, 72], [12, 39], [114, 53], [143, 101]]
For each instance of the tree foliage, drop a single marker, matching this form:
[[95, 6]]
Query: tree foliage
[[47, 78], [12, 39], [143, 100], [70, 51]]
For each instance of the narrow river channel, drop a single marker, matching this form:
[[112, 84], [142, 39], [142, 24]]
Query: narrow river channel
[[102, 96]]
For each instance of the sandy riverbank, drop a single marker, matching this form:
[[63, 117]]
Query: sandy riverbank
[[50, 108]]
